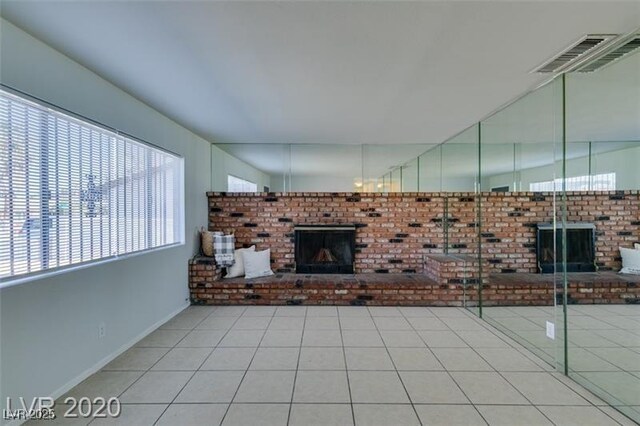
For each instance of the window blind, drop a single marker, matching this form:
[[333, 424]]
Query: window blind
[[73, 192]]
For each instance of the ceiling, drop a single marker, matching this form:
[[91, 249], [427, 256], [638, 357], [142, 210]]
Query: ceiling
[[319, 72]]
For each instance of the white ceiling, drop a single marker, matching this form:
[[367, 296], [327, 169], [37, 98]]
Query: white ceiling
[[320, 72]]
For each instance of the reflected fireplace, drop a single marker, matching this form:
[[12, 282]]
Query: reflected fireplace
[[581, 255], [325, 249]]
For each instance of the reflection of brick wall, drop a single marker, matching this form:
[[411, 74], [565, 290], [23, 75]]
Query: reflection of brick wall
[[396, 230]]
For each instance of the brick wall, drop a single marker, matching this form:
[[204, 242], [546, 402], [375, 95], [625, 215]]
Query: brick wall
[[396, 230]]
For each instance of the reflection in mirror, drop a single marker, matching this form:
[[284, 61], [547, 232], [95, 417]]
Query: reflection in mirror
[[603, 153], [519, 148]]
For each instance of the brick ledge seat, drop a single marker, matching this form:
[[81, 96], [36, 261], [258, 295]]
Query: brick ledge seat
[[206, 287]]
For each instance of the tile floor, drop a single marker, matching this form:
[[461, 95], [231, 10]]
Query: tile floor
[[292, 365], [604, 345]]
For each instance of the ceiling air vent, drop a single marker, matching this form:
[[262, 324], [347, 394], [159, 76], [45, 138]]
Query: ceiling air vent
[[613, 55], [573, 53]]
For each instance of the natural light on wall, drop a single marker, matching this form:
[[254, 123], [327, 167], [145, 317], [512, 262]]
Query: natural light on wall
[[72, 192]]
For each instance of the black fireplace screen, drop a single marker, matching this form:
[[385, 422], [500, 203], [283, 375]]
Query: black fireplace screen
[[580, 248], [325, 249]]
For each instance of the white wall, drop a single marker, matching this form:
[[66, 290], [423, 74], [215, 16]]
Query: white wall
[[224, 164], [623, 162], [49, 327], [314, 184]]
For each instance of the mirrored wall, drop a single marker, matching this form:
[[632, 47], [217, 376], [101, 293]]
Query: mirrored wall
[[548, 188]]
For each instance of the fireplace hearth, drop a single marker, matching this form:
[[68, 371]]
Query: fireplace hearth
[[325, 249], [580, 248]]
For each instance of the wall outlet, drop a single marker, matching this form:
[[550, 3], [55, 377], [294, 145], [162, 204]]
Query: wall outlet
[[551, 330], [102, 330]]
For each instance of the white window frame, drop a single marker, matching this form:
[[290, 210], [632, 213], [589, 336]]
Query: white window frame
[[238, 184], [171, 167]]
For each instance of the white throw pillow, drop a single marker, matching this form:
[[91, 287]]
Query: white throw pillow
[[257, 263], [237, 269], [630, 261], [637, 246]]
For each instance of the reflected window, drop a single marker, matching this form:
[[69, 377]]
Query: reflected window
[[601, 182], [235, 184]]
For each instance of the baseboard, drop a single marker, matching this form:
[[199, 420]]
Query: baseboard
[[104, 361]]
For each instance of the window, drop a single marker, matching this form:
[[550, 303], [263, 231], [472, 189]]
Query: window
[[235, 184], [602, 182], [72, 192]]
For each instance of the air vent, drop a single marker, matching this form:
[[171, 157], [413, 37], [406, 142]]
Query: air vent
[[573, 53], [612, 56]]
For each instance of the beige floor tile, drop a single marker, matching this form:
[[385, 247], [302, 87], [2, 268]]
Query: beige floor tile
[[362, 338], [321, 415], [182, 322], [401, 339], [275, 359], [229, 359], [432, 387], [251, 323], [513, 415], [442, 339], [286, 323], [321, 323], [507, 359], [384, 311], [357, 323], [385, 415], [449, 415], [321, 338], [105, 384], [353, 311], [291, 311], [182, 359], [211, 386], [193, 415], [242, 338], [543, 388], [482, 339], [162, 339], [315, 358], [139, 359], [414, 359], [322, 311], [156, 387], [321, 387], [461, 359], [382, 387], [266, 386], [137, 414], [201, 339], [368, 359], [257, 415], [428, 324], [259, 311], [215, 322], [488, 388], [282, 338], [577, 416]]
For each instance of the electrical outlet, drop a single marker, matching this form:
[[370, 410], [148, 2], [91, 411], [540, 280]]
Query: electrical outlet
[[102, 330], [551, 330]]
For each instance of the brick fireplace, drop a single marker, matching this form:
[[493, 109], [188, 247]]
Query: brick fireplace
[[418, 248], [395, 231]]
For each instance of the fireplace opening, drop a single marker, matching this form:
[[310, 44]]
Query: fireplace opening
[[325, 249], [581, 254]]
